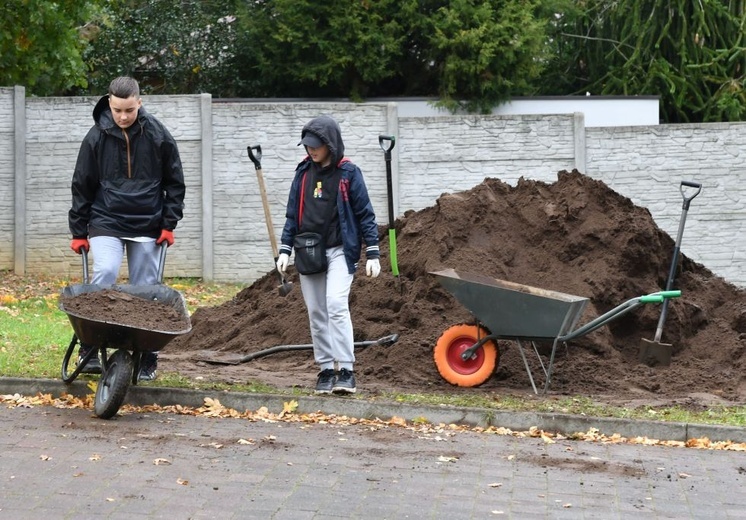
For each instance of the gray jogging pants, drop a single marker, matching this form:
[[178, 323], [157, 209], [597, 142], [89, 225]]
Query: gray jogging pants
[[327, 300], [142, 260]]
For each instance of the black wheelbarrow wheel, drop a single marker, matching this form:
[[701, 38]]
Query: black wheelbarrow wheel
[[113, 385], [465, 372]]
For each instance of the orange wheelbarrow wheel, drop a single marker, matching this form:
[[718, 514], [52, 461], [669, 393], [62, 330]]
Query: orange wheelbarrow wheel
[[470, 372]]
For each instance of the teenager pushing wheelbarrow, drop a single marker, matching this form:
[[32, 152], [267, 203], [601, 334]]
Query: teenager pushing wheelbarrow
[[129, 341]]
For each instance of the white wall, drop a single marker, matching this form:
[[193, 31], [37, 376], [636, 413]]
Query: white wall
[[223, 234], [599, 111]]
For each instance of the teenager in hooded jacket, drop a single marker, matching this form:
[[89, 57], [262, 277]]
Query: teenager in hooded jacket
[[328, 196], [127, 195]]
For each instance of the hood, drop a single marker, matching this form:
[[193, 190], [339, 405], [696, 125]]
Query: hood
[[103, 118], [327, 129]]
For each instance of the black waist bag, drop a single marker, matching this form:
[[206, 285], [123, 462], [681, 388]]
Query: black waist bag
[[310, 253]]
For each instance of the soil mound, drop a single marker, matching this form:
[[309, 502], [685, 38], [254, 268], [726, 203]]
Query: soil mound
[[574, 236]]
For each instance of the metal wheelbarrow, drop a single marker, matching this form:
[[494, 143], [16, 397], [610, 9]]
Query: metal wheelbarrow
[[467, 354], [129, 343]]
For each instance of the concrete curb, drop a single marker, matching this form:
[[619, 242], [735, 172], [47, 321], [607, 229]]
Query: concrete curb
[[517, 421]]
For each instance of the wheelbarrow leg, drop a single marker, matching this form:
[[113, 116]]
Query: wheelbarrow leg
[[551, 365], [70, 377], [525, 363]]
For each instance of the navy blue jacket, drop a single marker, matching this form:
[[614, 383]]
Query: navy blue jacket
[[357, 219]]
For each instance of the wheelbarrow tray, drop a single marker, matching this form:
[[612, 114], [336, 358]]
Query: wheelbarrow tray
[[512, 310], [111, 334]]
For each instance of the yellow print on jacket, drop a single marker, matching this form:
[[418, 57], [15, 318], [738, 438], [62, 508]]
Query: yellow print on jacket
[[317, 191]]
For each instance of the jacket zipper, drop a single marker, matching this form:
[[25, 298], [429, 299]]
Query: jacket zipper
[[129, 162]]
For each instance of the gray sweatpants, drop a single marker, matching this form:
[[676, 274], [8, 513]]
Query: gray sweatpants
[[327, 300], [142, 260]]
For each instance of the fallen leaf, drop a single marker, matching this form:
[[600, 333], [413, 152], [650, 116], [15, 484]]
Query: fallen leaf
[[182, 482], [288, 407], [161, 462], [398, 421]]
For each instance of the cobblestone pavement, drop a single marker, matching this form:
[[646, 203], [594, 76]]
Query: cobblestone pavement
[[66, 463]]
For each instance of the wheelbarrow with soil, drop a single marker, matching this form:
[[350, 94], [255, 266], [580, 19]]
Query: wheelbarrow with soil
[[112, 327], [467, 354]]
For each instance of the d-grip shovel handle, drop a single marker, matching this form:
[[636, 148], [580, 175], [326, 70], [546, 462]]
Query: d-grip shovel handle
[[388, 147], [689, 184], [256, 157]]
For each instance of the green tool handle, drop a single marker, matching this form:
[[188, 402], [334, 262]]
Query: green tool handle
[[392, 251], [387, 143], [659, 296]]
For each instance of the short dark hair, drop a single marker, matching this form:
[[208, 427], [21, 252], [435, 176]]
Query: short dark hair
[[124, 87]]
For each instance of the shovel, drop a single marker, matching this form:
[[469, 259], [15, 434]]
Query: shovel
[[654, 352], [237, 360], [387, 143], [256, 157]]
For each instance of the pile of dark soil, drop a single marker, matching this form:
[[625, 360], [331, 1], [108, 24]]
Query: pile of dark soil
[[575, 236]]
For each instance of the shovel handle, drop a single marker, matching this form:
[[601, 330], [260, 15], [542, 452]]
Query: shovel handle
[[391, 140], [689, 184], [256, 157]]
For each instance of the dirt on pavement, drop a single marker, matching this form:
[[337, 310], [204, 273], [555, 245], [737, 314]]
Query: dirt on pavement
[[575, 236]]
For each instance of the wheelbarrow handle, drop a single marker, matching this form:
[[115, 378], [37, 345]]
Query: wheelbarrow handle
[[659, 296], [84, 254], [162, 261], [256, 157], [689, 184]]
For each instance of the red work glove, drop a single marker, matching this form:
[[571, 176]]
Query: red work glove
[[167, 236], [78, 244]]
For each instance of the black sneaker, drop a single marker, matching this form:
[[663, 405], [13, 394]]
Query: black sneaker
[[93, 366], [325, 381], [345, 383], [148, 367]]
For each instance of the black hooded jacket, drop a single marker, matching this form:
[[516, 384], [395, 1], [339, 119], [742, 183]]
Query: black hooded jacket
[[127, 182]]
